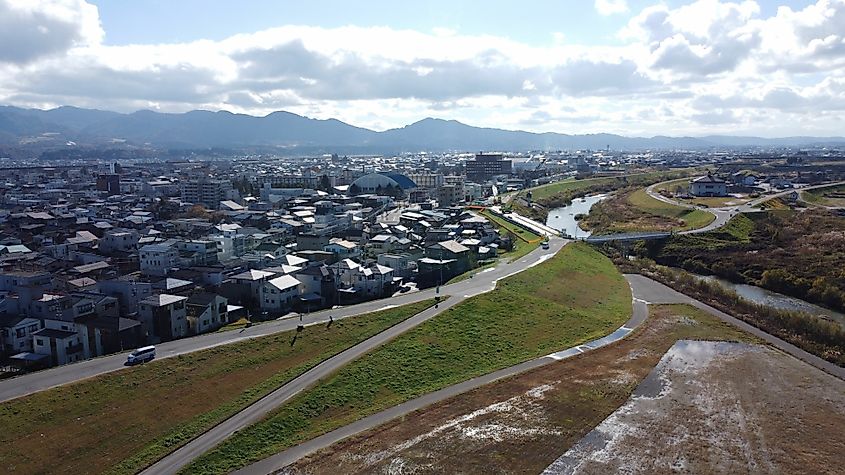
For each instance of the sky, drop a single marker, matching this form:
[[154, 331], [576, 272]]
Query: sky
[[637, 68]]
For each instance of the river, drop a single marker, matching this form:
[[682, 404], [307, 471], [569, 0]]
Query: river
[[762, 296], [564, 218]]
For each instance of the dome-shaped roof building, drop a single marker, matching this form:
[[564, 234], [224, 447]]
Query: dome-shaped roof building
[[382, 182]]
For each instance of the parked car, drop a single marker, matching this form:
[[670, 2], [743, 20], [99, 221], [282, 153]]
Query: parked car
[[141, 355]]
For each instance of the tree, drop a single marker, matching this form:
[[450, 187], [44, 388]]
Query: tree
[[198, 211], [354, 189], [325, 184]]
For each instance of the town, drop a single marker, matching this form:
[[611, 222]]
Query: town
[[98, 258]]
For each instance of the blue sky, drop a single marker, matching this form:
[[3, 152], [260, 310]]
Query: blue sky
[[532, 22], [634, 67]]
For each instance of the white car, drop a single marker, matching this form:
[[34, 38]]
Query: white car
[[141, 355]]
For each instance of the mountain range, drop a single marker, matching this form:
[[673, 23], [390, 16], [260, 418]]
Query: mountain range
[[291, 132]]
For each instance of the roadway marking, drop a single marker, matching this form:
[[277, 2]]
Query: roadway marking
[[641, 301]]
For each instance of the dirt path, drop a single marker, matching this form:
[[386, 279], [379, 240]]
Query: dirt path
[[524, 423], [694, 414]]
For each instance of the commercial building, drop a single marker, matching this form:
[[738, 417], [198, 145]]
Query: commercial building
[[110, 183], [207, 192], [486, 166]]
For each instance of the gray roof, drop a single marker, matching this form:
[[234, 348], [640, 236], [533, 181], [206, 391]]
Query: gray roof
[[162, 300], [54, 333]]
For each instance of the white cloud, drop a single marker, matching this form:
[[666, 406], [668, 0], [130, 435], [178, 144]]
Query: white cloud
[[33, 29], [708, 66], [609, 7]]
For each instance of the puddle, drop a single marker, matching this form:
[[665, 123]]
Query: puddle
[[686, 360]]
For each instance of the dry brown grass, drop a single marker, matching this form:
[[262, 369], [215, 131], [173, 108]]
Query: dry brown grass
[[583, 391]]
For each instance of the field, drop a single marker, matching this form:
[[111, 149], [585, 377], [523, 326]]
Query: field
[[574, 297], [525, 242], [561, 193], [674, 186], [798, 253], [123, 421], [634, 210], [547, 411], [706, 418], [833, 196]]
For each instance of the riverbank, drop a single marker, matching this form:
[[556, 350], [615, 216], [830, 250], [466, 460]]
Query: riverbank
[[633, 210], [815, 335], [559, 194], [795, 253]]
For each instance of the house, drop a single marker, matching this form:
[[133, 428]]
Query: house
[[342, 249], [158, 259], [60, 346], [128, 290], [206, 312], [16, 333], [164, 317], [402, 264], [708, 186], [366, 282], [279, 294], [318, 285], [246, 286]]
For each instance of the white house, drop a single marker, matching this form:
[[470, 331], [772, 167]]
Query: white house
[[158, 259], [708, 186], [279, 294], [164, 317], [206, 312]]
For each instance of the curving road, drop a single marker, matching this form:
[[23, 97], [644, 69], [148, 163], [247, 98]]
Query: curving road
[[724, 214], [484, 281], [279, 461], [61, 375], [645, 292], [653, 292]]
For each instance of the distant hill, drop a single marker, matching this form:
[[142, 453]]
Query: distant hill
[[203, 129]]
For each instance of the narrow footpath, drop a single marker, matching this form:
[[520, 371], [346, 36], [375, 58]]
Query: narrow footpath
[[484, 282], [645, 292], [283, 459]]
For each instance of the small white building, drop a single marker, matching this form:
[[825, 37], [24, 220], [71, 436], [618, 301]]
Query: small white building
[[158, 259], [708, 186], [279, 294], [164, 317], [206, 312], [62, 346]]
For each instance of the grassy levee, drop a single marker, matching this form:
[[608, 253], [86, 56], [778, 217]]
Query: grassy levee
[[526, 240], [563, 192], [829, 196], [576, 296], [692, 219], [123, 421], [634, 210], [570, 184]]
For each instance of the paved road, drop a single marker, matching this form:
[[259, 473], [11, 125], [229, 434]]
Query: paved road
[[645, 291], [283, 459], [654, 292], [724, 214], [483, 281]]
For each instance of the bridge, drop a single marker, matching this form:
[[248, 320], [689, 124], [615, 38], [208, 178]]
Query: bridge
[[627, 237]]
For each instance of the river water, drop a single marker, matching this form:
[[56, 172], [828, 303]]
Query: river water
[[564, 218], [762, 296]]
